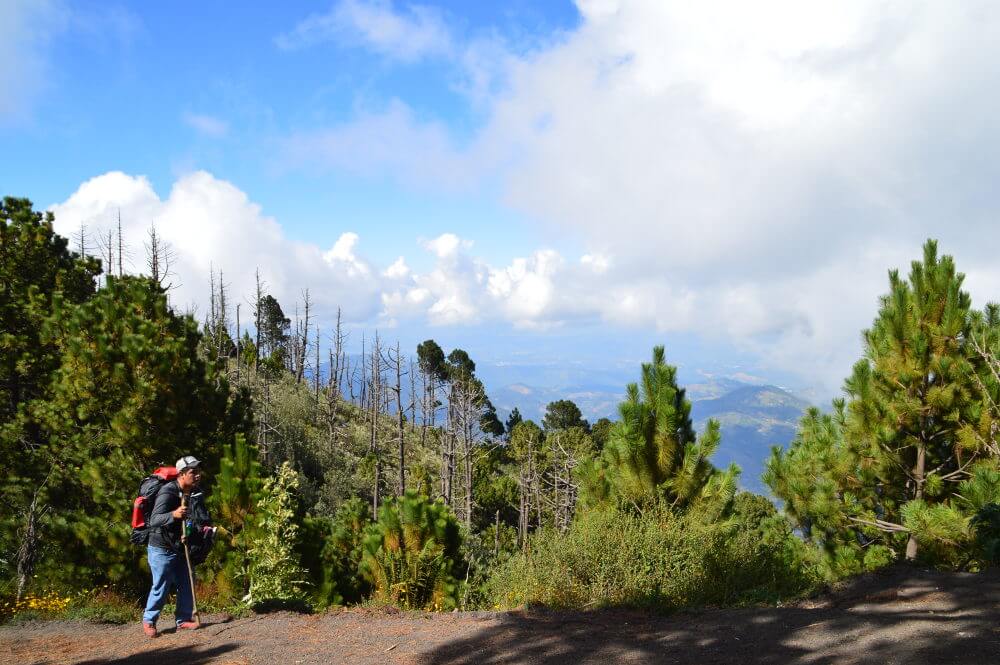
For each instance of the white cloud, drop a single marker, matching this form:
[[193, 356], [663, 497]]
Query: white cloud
[[596, 262], [799, 321], [407, 36], [746, 169], [398, 269], [446, 245], [212, 224], [206, 124], [727, 173]]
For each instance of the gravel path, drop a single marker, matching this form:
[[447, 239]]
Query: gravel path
[[905, 617]]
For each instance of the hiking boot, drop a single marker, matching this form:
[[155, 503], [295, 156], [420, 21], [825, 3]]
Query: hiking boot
[[189, 625], [149, 629]]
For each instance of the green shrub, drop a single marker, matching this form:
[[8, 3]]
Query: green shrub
[[272, 565], [331, 552], [986, 527], [412, 554], [878, 556], [658, 560], [234, 502]]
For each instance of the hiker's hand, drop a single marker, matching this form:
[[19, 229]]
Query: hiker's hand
[[179, 513]]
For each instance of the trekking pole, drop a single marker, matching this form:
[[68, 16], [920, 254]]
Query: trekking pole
[[187, 557]]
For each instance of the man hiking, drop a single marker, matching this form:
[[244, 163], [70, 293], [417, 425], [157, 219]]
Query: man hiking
[[165, 551]]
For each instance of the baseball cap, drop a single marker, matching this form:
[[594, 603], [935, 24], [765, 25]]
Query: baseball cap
[[186, 462]]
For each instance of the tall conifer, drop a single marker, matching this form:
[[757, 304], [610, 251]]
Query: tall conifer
[[886, 473]]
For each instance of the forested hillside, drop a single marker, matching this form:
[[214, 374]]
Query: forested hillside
[[752, 420], [388, 475]]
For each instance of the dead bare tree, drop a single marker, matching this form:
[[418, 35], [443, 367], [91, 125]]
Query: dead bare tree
[[465, 409], [160, 258], [375, 407], [80, 239], [338, 366], [106, 248], [27, 553], [218, 317], [302, 338], [413, 394], [257, 320], [316, 372], [121, 249], [395, 361], [239, 344]]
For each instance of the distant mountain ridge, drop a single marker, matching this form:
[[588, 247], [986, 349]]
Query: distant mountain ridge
[[754, 416], [752, 420]]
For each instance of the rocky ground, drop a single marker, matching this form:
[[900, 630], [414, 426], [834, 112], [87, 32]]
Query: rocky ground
[[906, 616]]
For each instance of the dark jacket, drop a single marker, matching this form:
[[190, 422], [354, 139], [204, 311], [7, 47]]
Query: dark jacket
[[165, 530]]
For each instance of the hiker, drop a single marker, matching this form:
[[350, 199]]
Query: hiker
[[165, 551]]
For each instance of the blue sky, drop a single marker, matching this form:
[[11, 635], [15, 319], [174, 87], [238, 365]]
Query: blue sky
[[569, 182], [128, 86]]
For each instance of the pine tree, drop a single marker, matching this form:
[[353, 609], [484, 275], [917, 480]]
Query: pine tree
[[563, 414], [412, 554], [35, 266], [130, 393], [274, 331], [237, 492], [653, 454], [339, 580], [885, 473]]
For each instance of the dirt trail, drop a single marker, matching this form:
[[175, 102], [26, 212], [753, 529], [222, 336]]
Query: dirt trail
[[907, 616]]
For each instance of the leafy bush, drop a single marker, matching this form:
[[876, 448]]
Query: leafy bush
[[331, 552], [412, 554], [658, 560], [233, 504], [273, 570], [986, 526]]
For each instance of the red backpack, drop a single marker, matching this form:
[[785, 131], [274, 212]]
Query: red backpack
[[143, 504]]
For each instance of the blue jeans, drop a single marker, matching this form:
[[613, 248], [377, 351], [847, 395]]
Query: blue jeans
[[169, 570]]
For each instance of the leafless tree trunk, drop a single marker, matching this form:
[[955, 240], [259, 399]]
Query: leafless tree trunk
[[397, 364], [160, 258], [121, 248], [81, 241], [363, 390], [337, 367], [375, 401], [528, 486], [464, 411], [316, 372], [303, 342], [218, 323], [27, 553], [107, 250], [257, 321], [424, 406], [350, 376], [413, 395], [239, 341]]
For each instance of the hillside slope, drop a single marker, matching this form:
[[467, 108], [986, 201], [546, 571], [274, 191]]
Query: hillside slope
[[752, 419]]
